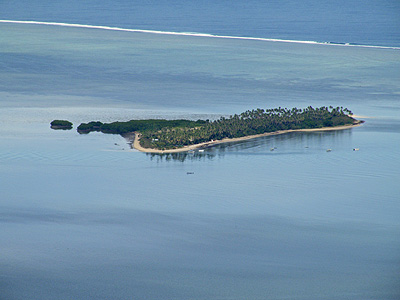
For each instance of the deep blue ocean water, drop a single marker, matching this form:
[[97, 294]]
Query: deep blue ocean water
[[369, 22], [86, 217]]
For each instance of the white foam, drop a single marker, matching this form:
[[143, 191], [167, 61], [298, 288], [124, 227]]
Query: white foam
[[193, 34]]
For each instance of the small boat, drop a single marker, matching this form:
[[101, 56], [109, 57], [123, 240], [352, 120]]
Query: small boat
[[328, 150], [201, 150], [356, 149], [189, 173]]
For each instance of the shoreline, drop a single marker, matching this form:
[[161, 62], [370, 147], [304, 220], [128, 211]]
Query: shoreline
[[136, 144]]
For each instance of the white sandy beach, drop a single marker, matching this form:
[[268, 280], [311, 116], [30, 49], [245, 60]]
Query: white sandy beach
[[137, 146]]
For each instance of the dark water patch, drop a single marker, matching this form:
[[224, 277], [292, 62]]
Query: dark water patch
[[43, 216], [184, 156]]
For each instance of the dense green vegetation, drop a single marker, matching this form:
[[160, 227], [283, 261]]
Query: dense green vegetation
[[171, 134], [137, 125], [251, 122], [61, 124]]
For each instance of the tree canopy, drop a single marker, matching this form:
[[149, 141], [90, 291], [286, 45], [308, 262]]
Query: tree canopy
[[61, 124], [171, 134], [251, 122]]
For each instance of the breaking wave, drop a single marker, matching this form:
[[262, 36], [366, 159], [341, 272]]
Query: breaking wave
[[194, 34]]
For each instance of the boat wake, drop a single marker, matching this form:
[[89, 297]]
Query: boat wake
[[195, 34]]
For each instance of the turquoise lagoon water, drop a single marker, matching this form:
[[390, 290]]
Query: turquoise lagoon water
[[86, 217]]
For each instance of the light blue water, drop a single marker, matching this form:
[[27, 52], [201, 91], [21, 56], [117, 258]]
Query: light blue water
[[85, 217]]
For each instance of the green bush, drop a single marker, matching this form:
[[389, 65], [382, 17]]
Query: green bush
[[61, 124]]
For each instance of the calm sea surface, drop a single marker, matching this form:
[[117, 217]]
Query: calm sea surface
[[372, 22], [86, 217]]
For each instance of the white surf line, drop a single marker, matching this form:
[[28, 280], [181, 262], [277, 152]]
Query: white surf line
[[192, 34]]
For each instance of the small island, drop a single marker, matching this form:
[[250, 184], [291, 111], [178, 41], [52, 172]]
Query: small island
[[61, 124], [169, 136]]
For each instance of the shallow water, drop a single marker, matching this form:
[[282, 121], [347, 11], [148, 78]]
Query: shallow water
[[84, 216]]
